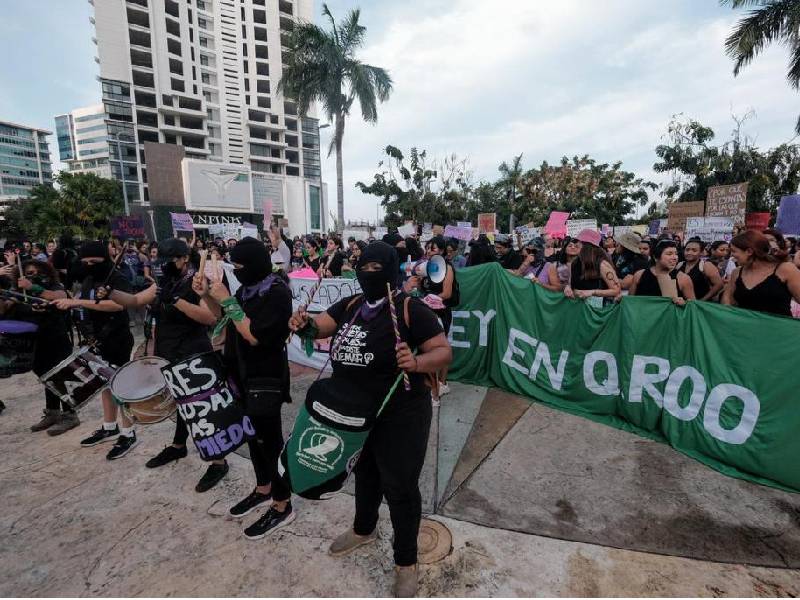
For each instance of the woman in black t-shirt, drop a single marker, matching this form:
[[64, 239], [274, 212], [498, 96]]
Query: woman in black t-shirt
[[364, 352], [255, 352], [646, 281], [333, 259]]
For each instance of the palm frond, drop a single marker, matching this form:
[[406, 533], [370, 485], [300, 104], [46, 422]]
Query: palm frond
[[773, 21], [351, 34]]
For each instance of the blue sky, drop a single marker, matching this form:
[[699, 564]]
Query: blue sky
[[484, 80]]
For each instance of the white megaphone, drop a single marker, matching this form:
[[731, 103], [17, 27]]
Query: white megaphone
[[434, 268]]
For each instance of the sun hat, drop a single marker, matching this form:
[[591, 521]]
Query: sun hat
[[630, 241], [589, 236]]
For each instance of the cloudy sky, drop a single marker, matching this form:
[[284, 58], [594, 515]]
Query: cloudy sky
[[484, 80]]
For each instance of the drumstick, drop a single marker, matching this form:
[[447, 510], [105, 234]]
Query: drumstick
[[202, 268], [215, 267], [393, 312], [21, 274], [309, 298]]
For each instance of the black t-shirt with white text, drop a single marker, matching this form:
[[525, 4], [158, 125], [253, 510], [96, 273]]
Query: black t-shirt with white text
[[366, 352]]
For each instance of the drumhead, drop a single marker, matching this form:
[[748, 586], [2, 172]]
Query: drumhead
[[139, 379], [10, 326]]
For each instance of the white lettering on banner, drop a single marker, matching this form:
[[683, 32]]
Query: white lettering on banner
[[674, 383], [541, 357], [484, 319], [329, 293], [460, 329], [643, 381], [609, 387], [747, 422], [512, 350]]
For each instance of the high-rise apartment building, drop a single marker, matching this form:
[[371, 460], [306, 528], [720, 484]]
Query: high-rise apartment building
[[203, 74], [24, 160], [83, 142]]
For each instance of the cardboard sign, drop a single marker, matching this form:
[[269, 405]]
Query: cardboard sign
[[557, 224], [575, 226], [407, 230], [181, 221], [727, 201], [267, 213], [678, 212], [709, 229], [487, 222], [757, 220], [459, 233], [789, 215], [127, 227], [438, 230]]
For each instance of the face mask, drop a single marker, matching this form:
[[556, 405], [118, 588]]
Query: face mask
[[248, 276], [40, 280], [170, 269], [373, 284]]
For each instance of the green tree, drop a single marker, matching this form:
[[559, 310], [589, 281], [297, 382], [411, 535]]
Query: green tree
[[321, 66], [583, 187], [82, 205], [421, 190], [772, 21], [696, 164]]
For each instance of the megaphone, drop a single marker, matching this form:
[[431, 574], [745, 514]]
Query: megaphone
[[434, 268]]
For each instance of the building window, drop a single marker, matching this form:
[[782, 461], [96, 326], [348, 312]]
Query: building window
[[314, 206]]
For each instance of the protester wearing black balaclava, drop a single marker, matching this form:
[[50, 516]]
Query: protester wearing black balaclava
[[373, 282], [255, 354], [366, 361], [107, 324], [254, 259], [182, 323]]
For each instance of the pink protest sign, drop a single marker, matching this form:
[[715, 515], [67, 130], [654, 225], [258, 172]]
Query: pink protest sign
[[267, 213], [557, 224]]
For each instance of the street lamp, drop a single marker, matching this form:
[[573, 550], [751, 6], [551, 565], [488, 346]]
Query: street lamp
[[116, 139]]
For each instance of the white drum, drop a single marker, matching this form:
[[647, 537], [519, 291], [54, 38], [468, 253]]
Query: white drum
[[140, 389]]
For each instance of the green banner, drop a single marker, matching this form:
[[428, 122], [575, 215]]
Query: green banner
[[719, 384]]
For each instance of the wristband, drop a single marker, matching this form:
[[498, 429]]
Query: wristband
[[232, 309], [310, 330]]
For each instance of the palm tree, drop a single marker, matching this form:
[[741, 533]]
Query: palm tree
[[772, 21], [511, 175], [321, 66]]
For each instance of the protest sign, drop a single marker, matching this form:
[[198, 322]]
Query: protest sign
[[407, 230], [208, 405], [709, 229], [557, 224], [678, 212], [655, 227], [789, 215], [127, 227], [459, 233], [427, 229], [487, 222], [757, 220], [611, 365], [575, 226], [464, 224], [727, 201], [181, 222], [640, 229], [267, 213], [620, 229], [525, 233], [606, 229], [380, 232], [330, 291], [359, 234]]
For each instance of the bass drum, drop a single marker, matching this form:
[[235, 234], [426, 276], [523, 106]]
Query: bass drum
[[139, 388]]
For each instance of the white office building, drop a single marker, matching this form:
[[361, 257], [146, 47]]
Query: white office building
[[24, 161], [203, 74], [83, 143]]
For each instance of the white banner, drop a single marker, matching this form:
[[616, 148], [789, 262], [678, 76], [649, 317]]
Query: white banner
[[329, 293]]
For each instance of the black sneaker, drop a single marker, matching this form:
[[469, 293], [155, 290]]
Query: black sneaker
[[249, 504], [124, 444], [2, 406], [212, 477], [271, 521], [166, 456], [99, 436]]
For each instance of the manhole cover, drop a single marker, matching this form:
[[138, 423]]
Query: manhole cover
[[434, 542]]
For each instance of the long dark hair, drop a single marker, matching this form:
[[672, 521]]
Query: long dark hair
[[42, 268], [590, 259]]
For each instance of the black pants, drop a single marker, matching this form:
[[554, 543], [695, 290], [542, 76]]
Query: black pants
[[50, 352], [265, 449], [389, 467], [53, 402], [181, 431]]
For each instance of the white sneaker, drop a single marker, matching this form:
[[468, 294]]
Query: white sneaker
[[443, 389]]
